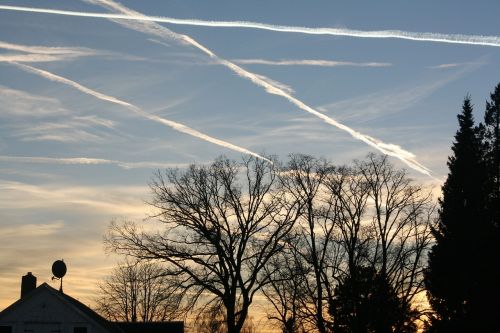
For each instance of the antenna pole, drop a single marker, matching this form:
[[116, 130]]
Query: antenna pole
[[60, 287]]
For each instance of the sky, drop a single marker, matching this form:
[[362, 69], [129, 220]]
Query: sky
[[91, 106]]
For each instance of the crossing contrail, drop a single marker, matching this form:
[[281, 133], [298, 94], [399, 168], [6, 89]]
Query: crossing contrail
[[415, 36], [146, 25], [155, 29], [172, 124]]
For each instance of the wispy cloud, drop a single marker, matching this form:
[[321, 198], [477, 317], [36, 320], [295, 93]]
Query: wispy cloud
[[456, 64], [158, 42], [58, 131], [384, 103], [149, 27], [309, 62], [34, 118], [87, 161], [35, 53], [172, 124], [124, 201], [48, 50], [33, 57], [60, 221], [33, 230], [23, 104], [445, 66], [96, 121], [416, 36]]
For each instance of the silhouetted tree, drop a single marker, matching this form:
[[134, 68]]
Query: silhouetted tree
[[365, 302], [296, 233], [222, 223], [402, 214], [371, 215], [287, 288], [491, 138], [459, 278], [212, 319], [304, 179], [384, 221], [137, 292], [349, 193], [490, 293]]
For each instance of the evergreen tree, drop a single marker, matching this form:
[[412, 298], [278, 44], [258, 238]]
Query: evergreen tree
[[491, 140], [491, 157], [365, 302], [459, 279]]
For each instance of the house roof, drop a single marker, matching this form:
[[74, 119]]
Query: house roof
[[75, 304], [111, 327]]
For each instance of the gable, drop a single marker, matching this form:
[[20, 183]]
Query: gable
[[46, 307]]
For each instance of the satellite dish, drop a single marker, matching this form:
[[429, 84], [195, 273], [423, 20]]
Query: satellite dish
[[59, 269]]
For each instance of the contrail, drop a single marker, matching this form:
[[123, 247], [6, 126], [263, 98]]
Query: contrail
[[42, 53], [31, 58], [35, 53], [153, 28], [416, 36], [74, 51], [85, 161], [172, 124], [309, 62]]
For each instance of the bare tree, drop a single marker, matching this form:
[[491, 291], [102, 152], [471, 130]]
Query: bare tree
[[213, 320], [222, 224], [402, 216], [137, 292], [348, 194], [286, 291], [314, 246], [366, 217]]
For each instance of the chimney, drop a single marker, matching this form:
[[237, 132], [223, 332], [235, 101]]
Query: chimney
[[28, 284]]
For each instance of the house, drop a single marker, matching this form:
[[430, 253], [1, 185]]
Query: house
[[44, 309]]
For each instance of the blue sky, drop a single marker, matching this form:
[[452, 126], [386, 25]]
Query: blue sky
[[71, 162]]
